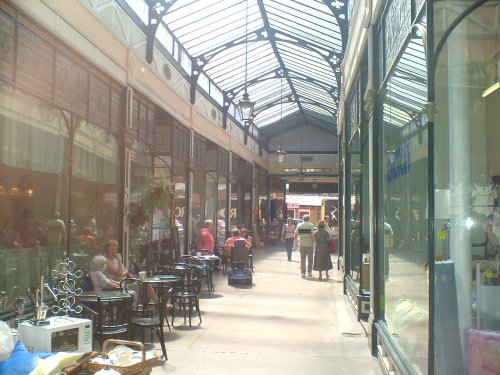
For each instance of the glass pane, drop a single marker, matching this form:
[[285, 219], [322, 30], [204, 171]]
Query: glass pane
[[180, 202], [211, 199], [357, 236], [94, 190], [198, 208], [139, 226], [467, 183], [405, 186], [33, 187], [221, 211]]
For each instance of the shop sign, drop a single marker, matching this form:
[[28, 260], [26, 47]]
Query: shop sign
[[399, 162]]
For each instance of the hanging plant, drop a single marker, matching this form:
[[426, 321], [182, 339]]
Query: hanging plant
[[157, 194], [138, 214]]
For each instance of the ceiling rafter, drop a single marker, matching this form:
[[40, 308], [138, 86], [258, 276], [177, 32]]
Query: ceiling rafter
[[320, 29]]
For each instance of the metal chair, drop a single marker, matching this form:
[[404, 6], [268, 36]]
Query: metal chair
[[155, 323], [138, 290], [134, 266], [113, 317], [187, 293]]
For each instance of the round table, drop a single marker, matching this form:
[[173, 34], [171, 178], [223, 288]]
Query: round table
[[161, 281], [91, 296], [207, 265]]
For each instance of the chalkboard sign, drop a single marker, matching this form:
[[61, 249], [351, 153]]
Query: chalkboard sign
[[176, 246]]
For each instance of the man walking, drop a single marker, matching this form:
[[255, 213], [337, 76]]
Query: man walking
[[305, 232]]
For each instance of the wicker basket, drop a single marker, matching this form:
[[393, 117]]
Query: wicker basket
[[141, 368]]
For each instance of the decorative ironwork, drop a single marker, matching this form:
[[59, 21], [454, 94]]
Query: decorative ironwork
[[397, 25], [7, 46], [430, 111], [418, 5], [369, 100], [380, 57], [354, 110], [66, 288]]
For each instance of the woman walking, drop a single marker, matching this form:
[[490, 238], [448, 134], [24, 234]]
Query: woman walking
[[288, 235], [322, 261]]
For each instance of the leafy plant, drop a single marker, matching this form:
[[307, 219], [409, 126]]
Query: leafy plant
[[156, 194]]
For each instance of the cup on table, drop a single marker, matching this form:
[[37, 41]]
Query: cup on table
[[142, 275]]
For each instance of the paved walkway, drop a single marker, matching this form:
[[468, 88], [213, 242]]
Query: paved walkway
[[282, 324]]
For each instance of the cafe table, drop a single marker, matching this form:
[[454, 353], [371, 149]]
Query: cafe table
[[206, 262], [91, 296], [160, 282]]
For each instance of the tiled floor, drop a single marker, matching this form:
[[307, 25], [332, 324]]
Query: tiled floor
[[282, 324]]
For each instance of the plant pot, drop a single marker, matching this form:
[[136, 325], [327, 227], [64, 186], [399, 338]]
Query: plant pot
[[139, 219]]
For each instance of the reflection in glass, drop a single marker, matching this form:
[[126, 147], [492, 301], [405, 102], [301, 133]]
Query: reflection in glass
[[405, 163]]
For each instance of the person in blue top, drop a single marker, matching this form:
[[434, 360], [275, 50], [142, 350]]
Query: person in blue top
[[305, 232]]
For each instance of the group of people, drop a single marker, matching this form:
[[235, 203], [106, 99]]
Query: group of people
[[206, 242], [314, 245]]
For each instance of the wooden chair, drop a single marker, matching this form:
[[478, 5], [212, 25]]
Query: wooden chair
[[155, 323], [113, 317], [187, 293]]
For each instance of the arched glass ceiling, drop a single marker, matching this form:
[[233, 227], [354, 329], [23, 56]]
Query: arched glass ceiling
[[288, 54], [407, 88]]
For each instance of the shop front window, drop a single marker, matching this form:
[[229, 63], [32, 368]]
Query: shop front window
[[33, 187], [222, 232], [357, 239], [211, 200], [467, 182], [139, 223], [405, 186], [94, 193], [235, 209], [180, 204], [197, 204]]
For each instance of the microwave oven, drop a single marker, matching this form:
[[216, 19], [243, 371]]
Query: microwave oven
[[62, 334]]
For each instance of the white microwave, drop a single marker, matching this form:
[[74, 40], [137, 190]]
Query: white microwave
[[62, 334]]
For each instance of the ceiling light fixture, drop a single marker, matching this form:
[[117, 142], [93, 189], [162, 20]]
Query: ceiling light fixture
[[490, 90], [280, 154], [245, 105]]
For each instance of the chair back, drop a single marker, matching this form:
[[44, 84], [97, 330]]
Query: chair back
[[164, 300], [193, 279], [239, 253], [139, 293], [113, 317], [134, 265], [85, 282], [190, 278]]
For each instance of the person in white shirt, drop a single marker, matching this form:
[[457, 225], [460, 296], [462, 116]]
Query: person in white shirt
[[99, 279]]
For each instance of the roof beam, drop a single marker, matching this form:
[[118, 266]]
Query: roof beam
[[156, 10]]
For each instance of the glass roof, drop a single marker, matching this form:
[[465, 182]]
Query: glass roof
[[407, 87], [285, 53]]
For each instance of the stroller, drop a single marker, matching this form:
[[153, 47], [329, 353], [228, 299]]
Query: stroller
[[240, 260]]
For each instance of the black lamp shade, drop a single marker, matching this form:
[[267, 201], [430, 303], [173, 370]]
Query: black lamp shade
[[280, 154], [245, 107]]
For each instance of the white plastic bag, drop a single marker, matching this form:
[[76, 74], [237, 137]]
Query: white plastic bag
[[6, 341]]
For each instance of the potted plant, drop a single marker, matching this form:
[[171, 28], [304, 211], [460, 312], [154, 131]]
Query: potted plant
[[156, 194], [138, 214]]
